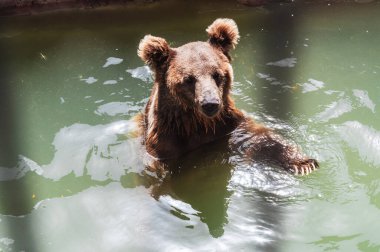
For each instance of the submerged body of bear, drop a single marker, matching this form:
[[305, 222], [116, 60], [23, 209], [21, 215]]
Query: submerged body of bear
[[190, 104]]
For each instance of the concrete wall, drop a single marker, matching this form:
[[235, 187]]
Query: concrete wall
[[20, 7]]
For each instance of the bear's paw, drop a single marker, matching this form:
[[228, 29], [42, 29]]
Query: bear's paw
[[304, 166]]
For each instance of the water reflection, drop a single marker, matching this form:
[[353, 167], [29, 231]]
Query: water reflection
[[269, 78], [230, 195], [364, 100], [118, 108], [143, 73], [203, 198], [110, 82], [344, 103], [112, 61], [363, 139], [204, 173], [89, 80], [288, 62], [10, 143], [136, 218], [101, 151], [114, 217], [312, 85], [24, 165], [335, 110]]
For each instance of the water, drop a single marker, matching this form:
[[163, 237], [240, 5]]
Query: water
[[71, 170]]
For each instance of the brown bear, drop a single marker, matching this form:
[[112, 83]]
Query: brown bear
[[190, 104]]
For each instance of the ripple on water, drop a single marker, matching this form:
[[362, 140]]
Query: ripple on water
[[364, 100], [115, 217], [335, 110], [268, 179], [363, 139]]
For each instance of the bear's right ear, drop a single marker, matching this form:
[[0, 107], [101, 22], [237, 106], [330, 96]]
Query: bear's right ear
[[154, 51]]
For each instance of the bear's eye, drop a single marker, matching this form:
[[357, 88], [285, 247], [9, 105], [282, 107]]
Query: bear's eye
[[189, 80], [219, 79]]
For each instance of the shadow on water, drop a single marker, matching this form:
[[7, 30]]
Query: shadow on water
[[278, 44], [9, 139], [201, 180], [16, 194], [277, 101]]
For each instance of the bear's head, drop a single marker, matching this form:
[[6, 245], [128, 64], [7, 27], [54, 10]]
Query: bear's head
[[197, 75]]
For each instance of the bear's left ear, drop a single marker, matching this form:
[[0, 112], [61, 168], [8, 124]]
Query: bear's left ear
[[154, 51], [224, 34]]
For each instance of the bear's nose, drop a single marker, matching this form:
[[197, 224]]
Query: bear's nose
[[210, 109]]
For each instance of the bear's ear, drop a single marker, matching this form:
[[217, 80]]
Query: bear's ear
[[154, 51], [224, 34]]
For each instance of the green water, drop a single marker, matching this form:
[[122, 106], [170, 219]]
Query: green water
[[71, 171]]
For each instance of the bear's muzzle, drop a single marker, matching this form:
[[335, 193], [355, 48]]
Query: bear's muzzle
[[210, 109]]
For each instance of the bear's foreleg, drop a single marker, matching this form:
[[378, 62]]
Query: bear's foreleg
[[260, 143], [286, 155]]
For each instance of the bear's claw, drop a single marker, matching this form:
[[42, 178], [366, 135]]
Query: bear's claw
[[305, 167]]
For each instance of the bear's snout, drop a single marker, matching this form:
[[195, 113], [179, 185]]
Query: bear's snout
[[210, 109], [209, 97]]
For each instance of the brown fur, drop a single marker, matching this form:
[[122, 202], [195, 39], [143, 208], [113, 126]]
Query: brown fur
[[190, 104], [223, 33]]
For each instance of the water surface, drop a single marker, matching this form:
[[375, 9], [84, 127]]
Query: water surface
[[71, 171]]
